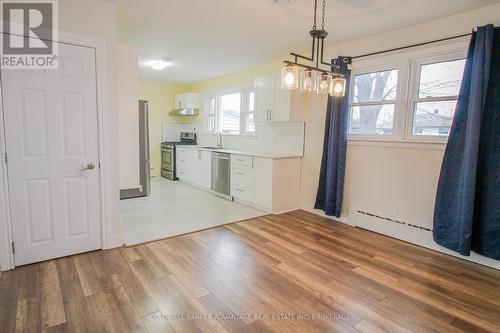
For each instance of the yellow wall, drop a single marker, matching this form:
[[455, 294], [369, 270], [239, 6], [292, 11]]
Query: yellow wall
[[239, 79], [161, 101]]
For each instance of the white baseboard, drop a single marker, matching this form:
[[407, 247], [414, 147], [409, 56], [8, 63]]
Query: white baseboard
[[417, 237], [310, 208]]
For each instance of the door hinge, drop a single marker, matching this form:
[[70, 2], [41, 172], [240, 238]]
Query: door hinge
[[5, 155], [13, 248]]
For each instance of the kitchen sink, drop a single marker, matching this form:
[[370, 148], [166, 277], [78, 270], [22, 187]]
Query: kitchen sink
[[213, 148]]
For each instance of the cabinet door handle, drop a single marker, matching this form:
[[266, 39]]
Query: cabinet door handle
[[240, 173]]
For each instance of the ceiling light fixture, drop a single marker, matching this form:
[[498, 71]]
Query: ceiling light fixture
[[329, 82], [158, 65]]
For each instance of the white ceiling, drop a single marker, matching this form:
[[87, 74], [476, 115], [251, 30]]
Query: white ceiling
[[210, 38]]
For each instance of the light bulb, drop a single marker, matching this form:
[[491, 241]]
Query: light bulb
[[308, 81], [338, 87], [289, 77], [324, 83]]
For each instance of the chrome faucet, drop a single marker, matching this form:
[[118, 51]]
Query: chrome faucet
[[218, 137]]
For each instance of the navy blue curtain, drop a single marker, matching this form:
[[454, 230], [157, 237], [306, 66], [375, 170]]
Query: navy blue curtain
[[467, 210], [331, 179]]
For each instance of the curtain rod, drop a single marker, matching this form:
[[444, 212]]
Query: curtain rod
[[410, 46]]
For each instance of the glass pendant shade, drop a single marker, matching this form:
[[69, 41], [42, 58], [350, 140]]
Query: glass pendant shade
[[308, 81], [290, 77], [324, 82], [337, 88]]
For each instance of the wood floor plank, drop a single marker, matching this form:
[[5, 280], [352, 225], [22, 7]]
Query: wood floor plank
[[8, 300], [268, 274], [51, 301]]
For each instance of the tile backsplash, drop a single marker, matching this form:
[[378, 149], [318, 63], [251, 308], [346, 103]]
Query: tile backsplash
[[275, 137]]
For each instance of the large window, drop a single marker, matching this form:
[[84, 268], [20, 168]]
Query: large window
[[231, 113], [435, 97], [374, 102], [409, 96]]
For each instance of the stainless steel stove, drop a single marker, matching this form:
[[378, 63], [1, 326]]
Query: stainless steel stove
[[168, 167]]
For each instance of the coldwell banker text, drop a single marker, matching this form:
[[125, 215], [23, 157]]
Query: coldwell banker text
[[29, 36]]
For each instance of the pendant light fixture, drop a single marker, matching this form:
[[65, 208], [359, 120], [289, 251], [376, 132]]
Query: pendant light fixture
[[328, 82]]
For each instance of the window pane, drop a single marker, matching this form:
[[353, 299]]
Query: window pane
[[377, 86], [372, 119], [441, 79], [251, 101], [211, 123], [433, 118], [230, 113], [250, 123]]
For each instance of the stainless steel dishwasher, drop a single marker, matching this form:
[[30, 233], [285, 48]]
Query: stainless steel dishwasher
[[221, 174]]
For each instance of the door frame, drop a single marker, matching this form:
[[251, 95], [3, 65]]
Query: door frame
[[108, 240]]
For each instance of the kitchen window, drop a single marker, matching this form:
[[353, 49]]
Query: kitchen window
[[407, 96], [231, 113]]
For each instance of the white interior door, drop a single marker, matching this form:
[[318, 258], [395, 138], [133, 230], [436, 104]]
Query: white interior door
[[52, 148]]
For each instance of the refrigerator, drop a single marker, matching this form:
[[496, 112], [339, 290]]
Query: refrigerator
[[144, 162]]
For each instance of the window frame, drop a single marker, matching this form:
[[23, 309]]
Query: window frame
[[246, 112], [407, 63], [210, 112], [414, 98], [374, 67], [244, 104]]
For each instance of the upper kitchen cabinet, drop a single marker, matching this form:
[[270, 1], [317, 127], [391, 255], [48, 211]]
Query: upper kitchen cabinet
[[276, 104], [187, 101]]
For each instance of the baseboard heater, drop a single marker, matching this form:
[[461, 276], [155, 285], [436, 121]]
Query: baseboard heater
[[393, 221]]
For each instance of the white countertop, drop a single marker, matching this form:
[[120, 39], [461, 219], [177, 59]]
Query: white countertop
[[242, 152]]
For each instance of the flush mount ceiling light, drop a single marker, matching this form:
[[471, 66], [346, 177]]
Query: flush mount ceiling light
[[328, 82], [158, 65]]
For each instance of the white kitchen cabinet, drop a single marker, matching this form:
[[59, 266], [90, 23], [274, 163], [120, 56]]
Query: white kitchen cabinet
[[264, 90], [185, 160], [263, 182], [187, 100], [271, 184], [194, 166], [203, 165], [275, 104]]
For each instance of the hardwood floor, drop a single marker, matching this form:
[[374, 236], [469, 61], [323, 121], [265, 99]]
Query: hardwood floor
[[295, 272]]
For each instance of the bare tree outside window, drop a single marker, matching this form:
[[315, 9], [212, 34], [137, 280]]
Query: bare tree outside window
[[373, 106]]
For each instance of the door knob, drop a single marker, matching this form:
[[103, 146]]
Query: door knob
[[89, 166]]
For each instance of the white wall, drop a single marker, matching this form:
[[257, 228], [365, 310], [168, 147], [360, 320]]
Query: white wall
[[384, 176], [128, 111]]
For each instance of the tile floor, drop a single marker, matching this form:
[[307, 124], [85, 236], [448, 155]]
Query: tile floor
[[175, 208]]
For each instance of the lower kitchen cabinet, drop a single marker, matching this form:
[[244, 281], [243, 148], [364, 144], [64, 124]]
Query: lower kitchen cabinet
[[194, 166], [272, 184]]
